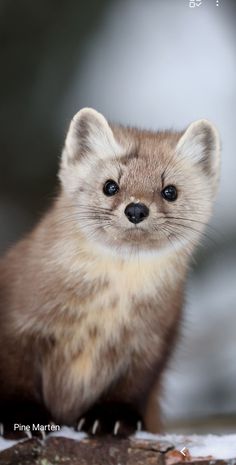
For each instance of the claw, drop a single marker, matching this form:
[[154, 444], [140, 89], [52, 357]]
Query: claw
[[95, 426], [139, 426], [80, 424], [28, 434], [1, 429], [116, 428], [43, 434]]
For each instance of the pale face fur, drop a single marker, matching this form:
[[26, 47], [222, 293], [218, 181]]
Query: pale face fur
[[142, 163]]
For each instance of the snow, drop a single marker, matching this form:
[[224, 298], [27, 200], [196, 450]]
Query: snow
[[6, 443], [218, 447], [70, 433]]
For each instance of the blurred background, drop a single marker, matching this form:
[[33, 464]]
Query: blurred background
[[155, 64]]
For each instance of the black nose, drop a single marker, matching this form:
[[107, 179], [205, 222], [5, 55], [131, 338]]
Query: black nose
[[136, 212]]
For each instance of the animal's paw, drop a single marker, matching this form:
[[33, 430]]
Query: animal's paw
[[116, 419]]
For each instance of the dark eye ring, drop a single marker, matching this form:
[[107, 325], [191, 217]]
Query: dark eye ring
[[169, 193], [110, 188]]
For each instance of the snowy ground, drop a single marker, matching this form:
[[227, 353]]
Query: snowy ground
[[218, 447]]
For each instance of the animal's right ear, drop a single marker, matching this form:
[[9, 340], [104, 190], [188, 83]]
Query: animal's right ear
[[89, 138], [89, 134]]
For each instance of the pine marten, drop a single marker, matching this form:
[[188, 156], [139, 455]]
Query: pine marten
[[91, 299]]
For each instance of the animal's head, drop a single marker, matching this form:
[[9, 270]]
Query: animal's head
[[130, 189]]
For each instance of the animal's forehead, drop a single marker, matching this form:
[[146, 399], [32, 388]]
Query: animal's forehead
[[140, 173], [149, 160], [154, 147]]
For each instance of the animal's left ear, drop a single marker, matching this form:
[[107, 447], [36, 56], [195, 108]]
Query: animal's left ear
[[201, 143]]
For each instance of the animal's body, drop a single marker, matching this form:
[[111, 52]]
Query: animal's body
[[91, 299]]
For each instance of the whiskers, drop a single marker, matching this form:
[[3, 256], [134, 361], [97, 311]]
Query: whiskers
[[181, 230], [98, 218], [184, 229], [83, 217]]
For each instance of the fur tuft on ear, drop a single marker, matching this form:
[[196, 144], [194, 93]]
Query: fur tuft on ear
[[201, 144], [89, 133]]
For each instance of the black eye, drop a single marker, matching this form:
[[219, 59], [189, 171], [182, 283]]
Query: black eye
[[169, 193], [110, 188]]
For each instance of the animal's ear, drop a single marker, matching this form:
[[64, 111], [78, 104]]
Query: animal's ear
[[201, 143], [89, 133]]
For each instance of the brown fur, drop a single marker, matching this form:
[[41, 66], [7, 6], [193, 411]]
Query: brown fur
[[90, 304]]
